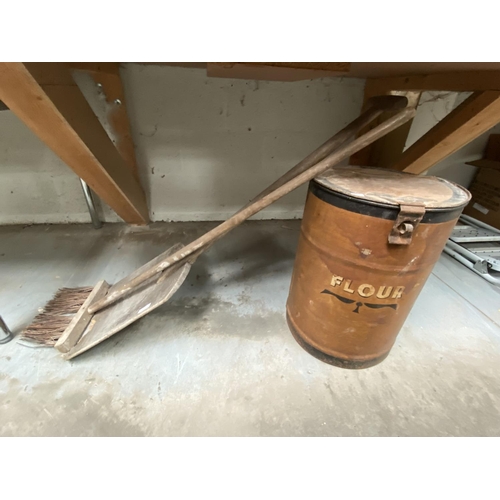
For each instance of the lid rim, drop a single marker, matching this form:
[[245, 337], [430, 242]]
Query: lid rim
[[389, 205], [458, 195], [378, 210]]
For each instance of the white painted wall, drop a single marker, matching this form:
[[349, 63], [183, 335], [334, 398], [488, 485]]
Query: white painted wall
[[205, 146]]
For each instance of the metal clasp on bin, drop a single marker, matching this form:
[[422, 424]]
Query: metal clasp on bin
[[405, 224]]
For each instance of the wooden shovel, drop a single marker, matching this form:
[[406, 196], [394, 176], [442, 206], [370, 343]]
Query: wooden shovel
[[154, 283]]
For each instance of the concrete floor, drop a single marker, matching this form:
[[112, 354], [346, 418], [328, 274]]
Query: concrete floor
[[218, 359]]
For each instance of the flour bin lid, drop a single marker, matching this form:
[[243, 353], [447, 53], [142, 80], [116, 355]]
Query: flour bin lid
[[379, 185]]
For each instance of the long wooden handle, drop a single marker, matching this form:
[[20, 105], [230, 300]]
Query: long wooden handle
[[126, 285], [375, 106]]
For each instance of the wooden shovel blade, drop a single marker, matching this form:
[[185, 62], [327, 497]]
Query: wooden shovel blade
[[151, 295]]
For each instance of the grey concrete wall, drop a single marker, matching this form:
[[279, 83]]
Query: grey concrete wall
[[205, 146]]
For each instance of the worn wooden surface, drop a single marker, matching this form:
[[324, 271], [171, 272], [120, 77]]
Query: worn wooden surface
[[107, 76], [354, 69], [81, 319], [279, 71], [473, 117], [110, 84], [45, 97], [458, 81], [387, 149], [95, 67], [111, 320], [147, 266]]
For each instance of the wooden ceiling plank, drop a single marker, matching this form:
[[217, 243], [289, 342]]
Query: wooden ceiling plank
[[98, 67], [284, 72], [461, 81]]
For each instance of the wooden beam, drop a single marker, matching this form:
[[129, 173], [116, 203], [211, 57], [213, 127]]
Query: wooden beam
[[109, 84], [388, 149], [351, 70], [284, 72], [461, 81], [107, 77], [60, 116], [97, 67], [314, 66], [473, 117]]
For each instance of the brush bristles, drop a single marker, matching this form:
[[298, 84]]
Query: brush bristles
[[57, 314]]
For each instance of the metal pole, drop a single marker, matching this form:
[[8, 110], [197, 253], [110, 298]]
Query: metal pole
[[466, 262], [87, 192], [8, 333], [463, 251], [478, 223]]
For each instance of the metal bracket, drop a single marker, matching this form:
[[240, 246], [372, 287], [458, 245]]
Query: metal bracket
[[405, 224], [482, 266]]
